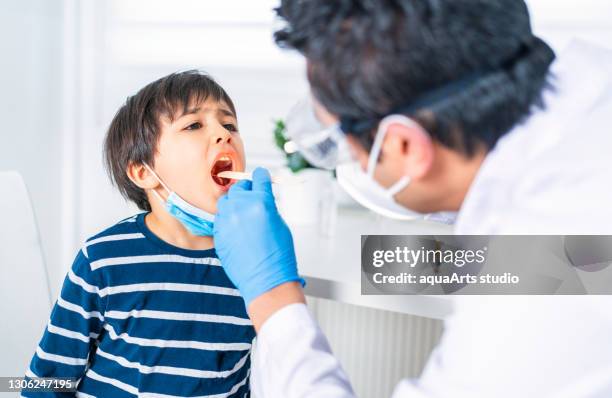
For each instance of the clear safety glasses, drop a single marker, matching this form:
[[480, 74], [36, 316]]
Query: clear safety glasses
[[322, 146]]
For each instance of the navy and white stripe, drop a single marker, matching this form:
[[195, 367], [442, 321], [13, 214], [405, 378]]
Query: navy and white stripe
[[140, 317]]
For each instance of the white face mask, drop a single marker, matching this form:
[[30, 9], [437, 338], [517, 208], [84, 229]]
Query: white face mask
[[365, 189]]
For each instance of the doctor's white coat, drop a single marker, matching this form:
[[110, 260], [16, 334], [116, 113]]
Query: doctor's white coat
[[550, 175]]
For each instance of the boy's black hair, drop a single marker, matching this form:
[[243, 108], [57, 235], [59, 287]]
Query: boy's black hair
[[134, 131], [369, 58]]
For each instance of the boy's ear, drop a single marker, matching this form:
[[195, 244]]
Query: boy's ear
[[411, 147], [141, 176]]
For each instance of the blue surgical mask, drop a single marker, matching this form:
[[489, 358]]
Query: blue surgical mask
[[196, 220]]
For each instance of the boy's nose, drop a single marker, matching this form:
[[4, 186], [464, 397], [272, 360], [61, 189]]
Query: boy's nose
[[221, 136]]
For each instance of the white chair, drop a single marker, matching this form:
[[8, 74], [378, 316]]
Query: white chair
[[24, 288]]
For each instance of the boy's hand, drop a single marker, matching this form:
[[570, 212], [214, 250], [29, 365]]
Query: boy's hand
[[252, 240]]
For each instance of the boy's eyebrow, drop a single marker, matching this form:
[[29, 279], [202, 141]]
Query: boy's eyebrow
[[223, 111], [226, 112]]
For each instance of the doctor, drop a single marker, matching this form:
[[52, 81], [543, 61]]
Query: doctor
[[446, 105]]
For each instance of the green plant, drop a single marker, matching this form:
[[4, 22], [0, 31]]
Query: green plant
[[295, 160]]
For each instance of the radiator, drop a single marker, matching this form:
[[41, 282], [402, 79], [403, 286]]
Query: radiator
[[376, 348]]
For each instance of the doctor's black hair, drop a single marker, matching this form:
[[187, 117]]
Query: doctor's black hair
[[369, 58], [135, 130]]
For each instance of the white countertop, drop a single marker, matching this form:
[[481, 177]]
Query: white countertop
[[331, 265]]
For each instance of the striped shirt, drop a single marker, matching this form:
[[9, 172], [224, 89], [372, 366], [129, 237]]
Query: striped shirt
[[139, 317]]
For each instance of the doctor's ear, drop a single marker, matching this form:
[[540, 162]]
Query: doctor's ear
[[410, 146], [140, 175]]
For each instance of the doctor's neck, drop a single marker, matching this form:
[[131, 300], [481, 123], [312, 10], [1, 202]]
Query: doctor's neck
[[171, 231], [459, 177]]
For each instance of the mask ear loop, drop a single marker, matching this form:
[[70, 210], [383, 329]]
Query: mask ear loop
[[377, 147], [162, 200], [398, 186]]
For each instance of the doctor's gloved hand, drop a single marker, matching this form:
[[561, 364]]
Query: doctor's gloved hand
[[252, 241]]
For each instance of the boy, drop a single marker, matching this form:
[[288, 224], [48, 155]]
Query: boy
[[146, 309]]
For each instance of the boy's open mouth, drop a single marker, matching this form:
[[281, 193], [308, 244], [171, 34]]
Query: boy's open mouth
[[224, 163]]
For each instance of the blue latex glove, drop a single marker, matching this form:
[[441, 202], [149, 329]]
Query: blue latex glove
[[252, 240]]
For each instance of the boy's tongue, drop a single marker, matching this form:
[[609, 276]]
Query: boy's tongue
[[223, 164]]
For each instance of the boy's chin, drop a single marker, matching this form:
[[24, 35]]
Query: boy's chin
[[217, 193]]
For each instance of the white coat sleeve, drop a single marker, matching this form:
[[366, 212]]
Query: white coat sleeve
[[293, 359]]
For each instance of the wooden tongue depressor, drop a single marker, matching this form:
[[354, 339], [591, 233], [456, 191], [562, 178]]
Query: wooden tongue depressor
[[240, 175]]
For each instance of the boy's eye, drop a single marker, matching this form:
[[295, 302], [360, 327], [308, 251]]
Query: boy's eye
[[230, 127], [194, 126]]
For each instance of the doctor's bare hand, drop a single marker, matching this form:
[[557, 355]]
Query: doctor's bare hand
[[255, 247]]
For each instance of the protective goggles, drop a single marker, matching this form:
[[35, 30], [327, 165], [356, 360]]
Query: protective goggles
[[325, 146]]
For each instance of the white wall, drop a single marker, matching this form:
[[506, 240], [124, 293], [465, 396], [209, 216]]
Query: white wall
[[30, 111], [558, 21]]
